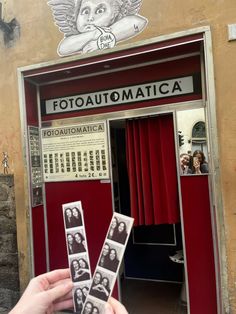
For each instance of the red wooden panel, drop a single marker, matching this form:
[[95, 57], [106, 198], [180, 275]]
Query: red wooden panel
[[199, 244], [31, 104], [37, 212], [138, 75], [97, 204], [135, 55], [39, 240]]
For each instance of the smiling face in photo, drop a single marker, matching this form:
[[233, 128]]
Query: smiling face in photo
[[121, 227]]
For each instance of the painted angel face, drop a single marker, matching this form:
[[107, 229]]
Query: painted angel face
[[94, 13]]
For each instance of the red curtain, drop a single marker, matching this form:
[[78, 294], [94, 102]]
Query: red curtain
[[151, 161]]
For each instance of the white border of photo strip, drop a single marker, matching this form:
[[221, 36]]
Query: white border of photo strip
[[116, 240], [73, 229], [115, 243]]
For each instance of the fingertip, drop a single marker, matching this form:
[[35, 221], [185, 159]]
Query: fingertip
[[116, 306], [68, 285]]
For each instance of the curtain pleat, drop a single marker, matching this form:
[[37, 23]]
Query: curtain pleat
[[151, 162]]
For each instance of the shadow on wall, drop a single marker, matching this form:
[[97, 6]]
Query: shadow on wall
[[10, 30]]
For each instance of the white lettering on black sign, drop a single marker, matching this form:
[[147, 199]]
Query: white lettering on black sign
[[167, 88]]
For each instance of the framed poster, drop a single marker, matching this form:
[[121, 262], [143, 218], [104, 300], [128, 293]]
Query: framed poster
[[76, 152]]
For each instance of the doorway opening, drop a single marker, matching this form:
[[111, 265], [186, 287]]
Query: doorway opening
[[151, 278]]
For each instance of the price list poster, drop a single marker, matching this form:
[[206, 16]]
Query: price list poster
[[77, 152]]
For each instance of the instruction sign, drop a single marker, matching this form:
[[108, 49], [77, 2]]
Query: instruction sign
[[77, 152]]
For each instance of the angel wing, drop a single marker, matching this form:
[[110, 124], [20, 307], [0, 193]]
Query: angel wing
[[130, 7], [64, 14]]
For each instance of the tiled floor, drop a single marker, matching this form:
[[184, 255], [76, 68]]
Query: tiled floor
[[149, 297]]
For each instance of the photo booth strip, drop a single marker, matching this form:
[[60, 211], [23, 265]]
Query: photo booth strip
[[77, 252], [108, 264]]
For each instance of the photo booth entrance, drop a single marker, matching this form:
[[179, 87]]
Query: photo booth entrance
[[108, 130], [143, 161], [166, 241]]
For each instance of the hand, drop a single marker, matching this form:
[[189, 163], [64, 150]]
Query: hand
[[97, 287], [196, 165], [81, 272], [46, 293], [114, 307], [91, 46], [101, 288]]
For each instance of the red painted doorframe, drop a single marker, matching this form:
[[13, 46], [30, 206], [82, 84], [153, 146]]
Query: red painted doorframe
[[51, 73], [199, 244]]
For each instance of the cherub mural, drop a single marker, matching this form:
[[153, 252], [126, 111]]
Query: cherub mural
[[90, 25]]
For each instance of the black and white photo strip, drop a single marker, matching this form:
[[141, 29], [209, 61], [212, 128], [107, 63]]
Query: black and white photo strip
[[77, 251], [92, 306], [109, 261], [72, 213], [79, 268], [76, 241], [80, 293]]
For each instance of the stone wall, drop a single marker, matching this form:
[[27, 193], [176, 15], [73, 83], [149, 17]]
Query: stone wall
[[9, 275]]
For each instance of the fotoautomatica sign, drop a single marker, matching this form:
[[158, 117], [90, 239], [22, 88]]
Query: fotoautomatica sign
[[123, 95], [77, 152]]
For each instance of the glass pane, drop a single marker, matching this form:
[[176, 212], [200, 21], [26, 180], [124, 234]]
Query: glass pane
[[199, 130], [192, 141]]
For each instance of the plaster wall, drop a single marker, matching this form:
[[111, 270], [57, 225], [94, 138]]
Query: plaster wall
[[38, 42]]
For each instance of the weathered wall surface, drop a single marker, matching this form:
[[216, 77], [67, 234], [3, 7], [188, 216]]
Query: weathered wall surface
[[9, 275], [38, 42]]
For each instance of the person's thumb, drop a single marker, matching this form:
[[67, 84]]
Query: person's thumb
[[114, 307], [108, 309]]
